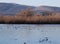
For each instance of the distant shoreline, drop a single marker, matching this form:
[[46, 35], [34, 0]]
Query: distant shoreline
[[30, 19]]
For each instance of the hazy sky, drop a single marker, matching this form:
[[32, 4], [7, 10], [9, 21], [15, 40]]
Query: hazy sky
[[35, 2]]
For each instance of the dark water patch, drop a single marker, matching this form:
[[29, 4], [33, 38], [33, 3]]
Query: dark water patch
[[16, 39], [44, 39], [24, 42]]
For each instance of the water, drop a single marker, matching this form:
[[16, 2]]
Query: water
[[29, 34]]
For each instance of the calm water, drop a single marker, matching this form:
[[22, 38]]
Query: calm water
[[29, 34]]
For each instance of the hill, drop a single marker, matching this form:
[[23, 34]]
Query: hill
[[11, 8]]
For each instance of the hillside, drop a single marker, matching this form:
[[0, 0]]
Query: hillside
[[48, 8], [16, 14], [40, 9], [13, 9]]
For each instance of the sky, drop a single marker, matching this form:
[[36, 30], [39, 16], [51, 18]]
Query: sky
[[35, 2]]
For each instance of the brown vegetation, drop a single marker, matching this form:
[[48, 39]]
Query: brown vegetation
[[29, 16]]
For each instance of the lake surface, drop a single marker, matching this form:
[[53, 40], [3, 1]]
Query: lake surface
[[29, 34]]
